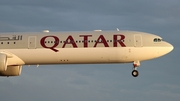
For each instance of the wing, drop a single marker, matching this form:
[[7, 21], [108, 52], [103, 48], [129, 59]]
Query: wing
[[10, 64]]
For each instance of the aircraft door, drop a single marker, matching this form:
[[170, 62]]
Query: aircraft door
[[32, 42], [138, 40]]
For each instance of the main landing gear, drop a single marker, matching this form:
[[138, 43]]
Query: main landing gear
[[136, 64]]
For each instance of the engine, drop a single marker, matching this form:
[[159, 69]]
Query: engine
[[3, 62], [12, 71]]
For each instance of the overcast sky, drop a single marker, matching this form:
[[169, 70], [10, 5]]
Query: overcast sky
[[159, 79]]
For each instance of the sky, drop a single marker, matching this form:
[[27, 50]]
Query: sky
[[158, 79]]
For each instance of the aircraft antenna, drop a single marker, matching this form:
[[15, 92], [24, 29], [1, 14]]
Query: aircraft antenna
[[117, 29], [46, 31]]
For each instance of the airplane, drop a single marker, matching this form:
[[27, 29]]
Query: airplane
[[84, 47]]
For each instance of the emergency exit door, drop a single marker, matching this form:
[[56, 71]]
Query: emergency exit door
[[32, 42], [138, 40]]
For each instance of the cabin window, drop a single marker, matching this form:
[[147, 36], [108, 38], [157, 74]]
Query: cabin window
[[85, 41], [56, 41], [116, 41]]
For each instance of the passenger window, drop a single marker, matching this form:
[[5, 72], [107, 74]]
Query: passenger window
[[56, 41], [85, 41]]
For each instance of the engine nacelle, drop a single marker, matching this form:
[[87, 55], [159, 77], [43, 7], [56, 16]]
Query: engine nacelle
[[3, 62], [12, 71]]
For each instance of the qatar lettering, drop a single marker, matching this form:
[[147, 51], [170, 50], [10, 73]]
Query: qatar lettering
[[118, 40]]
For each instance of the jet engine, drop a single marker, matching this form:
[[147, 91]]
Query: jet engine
[[3, 62], [12, 71]]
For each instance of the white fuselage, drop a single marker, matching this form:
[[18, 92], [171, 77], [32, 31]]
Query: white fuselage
[[81, 47]]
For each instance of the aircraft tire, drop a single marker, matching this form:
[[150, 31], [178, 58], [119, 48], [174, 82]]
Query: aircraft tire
[[135, 73]]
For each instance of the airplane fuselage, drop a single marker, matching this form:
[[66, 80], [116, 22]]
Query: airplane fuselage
[[81, 47]]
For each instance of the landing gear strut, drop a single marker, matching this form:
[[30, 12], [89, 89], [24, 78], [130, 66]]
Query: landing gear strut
[[136, 64]]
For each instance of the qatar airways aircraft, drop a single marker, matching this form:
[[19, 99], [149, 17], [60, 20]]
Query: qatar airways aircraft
[[93, 47]]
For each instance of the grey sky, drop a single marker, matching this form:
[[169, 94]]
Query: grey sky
[[158, 79]]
